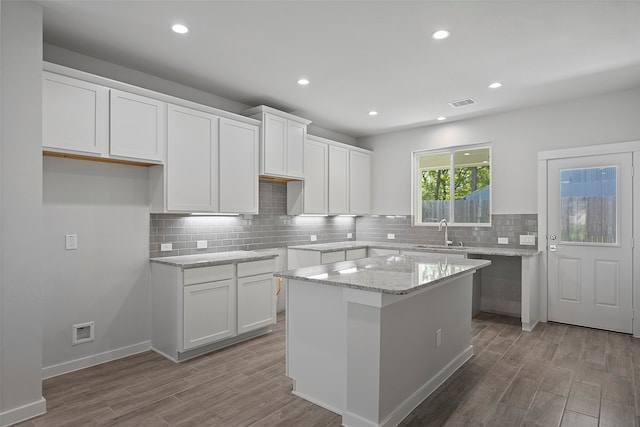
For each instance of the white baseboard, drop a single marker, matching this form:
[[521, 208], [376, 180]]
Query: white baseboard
[[96, 359], [16, 415], [429, 387]]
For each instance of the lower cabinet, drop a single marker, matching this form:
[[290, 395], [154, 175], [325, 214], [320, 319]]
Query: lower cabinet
[[197, 310], [299, 258], [209, 313]]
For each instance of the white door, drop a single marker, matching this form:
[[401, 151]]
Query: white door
[[590, 241]]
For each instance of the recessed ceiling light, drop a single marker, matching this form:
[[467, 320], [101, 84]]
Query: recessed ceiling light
[[495, 85], [441, 34], [373, 113], [441, 118], [467, 154], [180, 29], [303, 82]]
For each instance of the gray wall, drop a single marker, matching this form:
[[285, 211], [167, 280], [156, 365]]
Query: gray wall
[[21, 201], [516, 138], [271, 228], [106, 280]]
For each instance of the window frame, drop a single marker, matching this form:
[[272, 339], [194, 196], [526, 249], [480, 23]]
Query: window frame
[[416, 187]]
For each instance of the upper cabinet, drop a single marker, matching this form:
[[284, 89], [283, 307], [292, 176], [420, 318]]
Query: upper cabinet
[[212, 165], [282, 140], [87, 119], [137, 127], [238, 166], [192, 172], [359, 182], [337, 180], [311, 196], [75, 116]]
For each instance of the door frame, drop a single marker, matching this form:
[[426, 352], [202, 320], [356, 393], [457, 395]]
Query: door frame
[[544, 157]]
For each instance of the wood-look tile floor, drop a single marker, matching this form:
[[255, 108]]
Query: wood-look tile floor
[[557, 375]]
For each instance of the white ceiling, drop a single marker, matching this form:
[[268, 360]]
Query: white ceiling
[[365, 55]]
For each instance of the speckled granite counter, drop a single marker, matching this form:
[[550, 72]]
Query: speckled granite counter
[[331, 247], [218, 258], [396, 274]]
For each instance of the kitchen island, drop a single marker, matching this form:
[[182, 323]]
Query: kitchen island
[[370, 339]]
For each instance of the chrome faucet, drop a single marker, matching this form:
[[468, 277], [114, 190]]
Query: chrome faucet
[[447, 242]]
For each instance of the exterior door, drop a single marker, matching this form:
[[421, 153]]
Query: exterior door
[[590, 241]]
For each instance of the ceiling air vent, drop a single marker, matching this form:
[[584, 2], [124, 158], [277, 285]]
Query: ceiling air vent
[[463, 102]]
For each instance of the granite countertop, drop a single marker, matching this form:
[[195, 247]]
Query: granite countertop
[[217, 258], [393, 274], [332, 247]]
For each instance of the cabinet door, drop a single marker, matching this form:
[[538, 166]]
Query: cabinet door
[[296, 133], [75, 115], [137, 126], [359, 183], [238, 167], [192, 159], [274, 145], [338, 180], [316, 194], [256, 302], [209, 313]]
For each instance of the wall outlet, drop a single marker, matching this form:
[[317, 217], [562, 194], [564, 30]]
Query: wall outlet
[[527, 239], [349, 235], [314, 237], [438, 337], [503, 240], [166, 247], [201, 244], [391, 236], [71, 242]]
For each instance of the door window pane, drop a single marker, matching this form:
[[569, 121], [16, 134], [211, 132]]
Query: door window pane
[[589, 205]]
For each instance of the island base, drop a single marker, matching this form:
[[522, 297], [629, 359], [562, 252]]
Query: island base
[[373, 357]]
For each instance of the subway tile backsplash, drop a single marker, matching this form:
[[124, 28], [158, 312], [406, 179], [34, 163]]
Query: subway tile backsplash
[[273, 228], [376, 228]]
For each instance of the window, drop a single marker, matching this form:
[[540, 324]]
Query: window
[[588, 205], [454, 185]]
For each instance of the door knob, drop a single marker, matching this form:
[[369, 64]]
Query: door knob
[[552, 237]]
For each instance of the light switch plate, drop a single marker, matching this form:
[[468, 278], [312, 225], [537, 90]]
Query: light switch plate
[[201, 244], [527, 239], [166, 247], [349, 235], [314, 237], [503, 240], [391, 236], [71, 241]]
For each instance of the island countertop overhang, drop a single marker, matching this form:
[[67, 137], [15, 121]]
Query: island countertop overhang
[[394, 275]]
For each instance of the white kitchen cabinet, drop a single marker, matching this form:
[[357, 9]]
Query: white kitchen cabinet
[[359, 182], [311, 196], [137, 127], [238, 173], [192, 160], [75, 116], [201, 309], [209, 313], [338, 180], [299, 258], [282, 140]]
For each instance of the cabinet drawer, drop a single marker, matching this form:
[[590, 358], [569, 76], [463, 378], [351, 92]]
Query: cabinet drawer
[[208, 274], [356, 253], [329, 257], [252, 268]]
